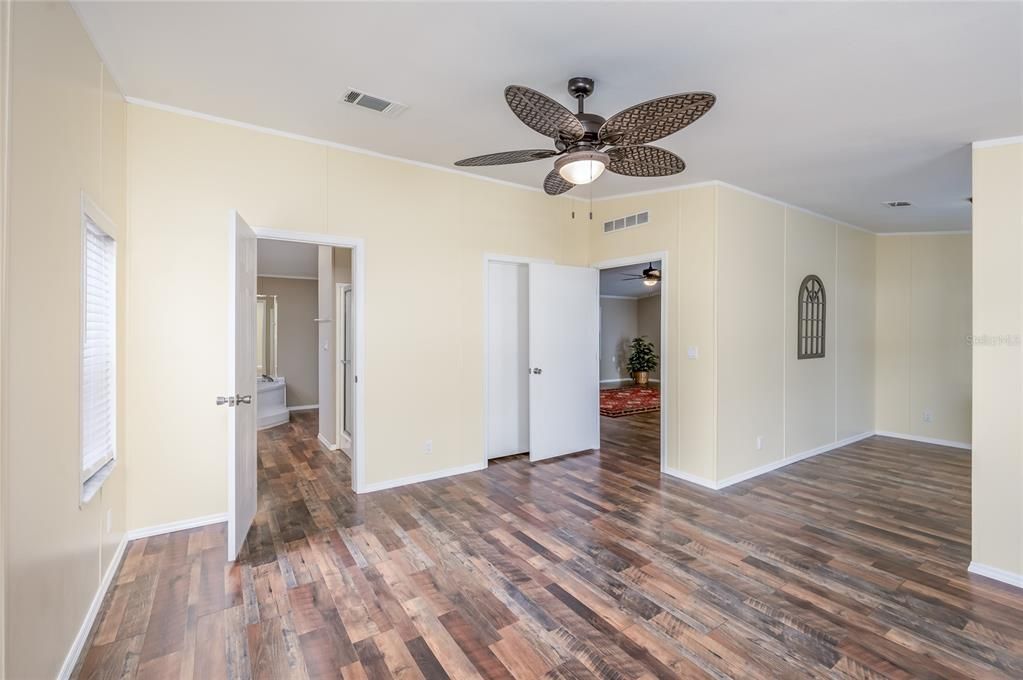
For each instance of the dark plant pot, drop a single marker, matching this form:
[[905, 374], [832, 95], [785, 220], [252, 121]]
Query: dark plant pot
[[641, 377]]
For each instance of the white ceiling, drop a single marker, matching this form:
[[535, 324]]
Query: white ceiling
[[612, 281], [286, 258], [834, 107]]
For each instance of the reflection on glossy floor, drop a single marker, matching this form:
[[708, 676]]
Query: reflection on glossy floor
[[848, 564]]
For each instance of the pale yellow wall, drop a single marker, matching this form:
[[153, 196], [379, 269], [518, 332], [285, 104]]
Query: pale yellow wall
[[682, 225], [67, 135], [853, 321], [425, 231], [997, 361], [922, 327], [296, 335], [810, 244], [751, 331]]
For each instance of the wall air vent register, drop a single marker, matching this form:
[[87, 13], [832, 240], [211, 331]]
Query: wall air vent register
[[626, 222]]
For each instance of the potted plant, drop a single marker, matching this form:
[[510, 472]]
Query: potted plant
[[642, 360]]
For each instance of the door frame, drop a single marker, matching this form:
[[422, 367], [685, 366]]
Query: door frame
[[358, 248], [339, 416], [487, 259], [662, 345]]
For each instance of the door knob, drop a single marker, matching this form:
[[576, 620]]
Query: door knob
[[228, 401], [537, 371], [247, 399]]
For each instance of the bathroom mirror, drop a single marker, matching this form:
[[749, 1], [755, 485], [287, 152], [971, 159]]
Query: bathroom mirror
[[266, 335]]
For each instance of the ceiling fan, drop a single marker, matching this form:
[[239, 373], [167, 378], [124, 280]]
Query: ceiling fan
[[651, 276], [582, 139]]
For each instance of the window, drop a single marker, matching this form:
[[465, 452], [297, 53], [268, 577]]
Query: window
[[99, 326], [810, 327]]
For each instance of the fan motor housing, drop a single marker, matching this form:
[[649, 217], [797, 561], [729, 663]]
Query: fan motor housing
[[580, 87]]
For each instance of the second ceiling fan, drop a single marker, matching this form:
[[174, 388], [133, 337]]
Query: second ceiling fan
[[587, 144]]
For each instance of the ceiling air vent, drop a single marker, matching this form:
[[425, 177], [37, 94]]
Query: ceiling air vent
[[897, 204], [626, 222], [368, 101]]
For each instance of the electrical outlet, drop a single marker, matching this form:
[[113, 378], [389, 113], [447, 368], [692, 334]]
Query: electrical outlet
[[110, 519], [928, 416], [760, 442], [428, 446]]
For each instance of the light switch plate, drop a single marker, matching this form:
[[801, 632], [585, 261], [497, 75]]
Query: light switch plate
[[693, 352]]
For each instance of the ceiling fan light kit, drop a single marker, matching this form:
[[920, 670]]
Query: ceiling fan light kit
[[588, 144], [582, 167]]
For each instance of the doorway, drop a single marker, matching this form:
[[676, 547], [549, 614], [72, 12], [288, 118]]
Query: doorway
[[633, 339], [540, 358], [242, 364]]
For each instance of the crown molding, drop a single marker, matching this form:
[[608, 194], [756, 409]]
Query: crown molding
[[1002, 141], [957, 232], [145, 103]]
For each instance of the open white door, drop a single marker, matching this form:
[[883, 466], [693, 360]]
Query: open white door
[[564, 378], [241, 353]]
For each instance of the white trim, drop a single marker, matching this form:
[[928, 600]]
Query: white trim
[[424, 477], [303, 407], [665, 319], [323, 440], [648, 192], [1003, 141], [774, 465], [692, 479], [764, 469], [956, 232], [171, 527], [926, 440], [721, 183], [358, 248], [334, 145], [487, 259], [78, 644], [619, 380], [1013, 579], [281, 276]]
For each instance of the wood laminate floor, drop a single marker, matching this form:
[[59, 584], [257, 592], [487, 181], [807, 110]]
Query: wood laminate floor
[[849, 564]]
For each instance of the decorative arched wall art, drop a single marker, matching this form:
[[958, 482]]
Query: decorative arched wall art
[[810, 327]]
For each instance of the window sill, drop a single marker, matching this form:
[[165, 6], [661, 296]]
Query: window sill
[[93, 484]]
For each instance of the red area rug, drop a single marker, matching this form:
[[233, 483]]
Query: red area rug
[[625, 401]]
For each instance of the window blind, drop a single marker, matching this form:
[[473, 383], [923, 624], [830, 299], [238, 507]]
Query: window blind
[[98, 352]]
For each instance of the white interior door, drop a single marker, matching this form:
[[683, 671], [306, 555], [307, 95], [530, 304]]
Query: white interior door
[[507, 359], [241, 487], [564, 360]]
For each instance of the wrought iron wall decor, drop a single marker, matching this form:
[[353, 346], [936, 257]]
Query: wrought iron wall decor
[[812, 303]]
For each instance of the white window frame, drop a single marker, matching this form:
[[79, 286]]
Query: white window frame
[[91, 479]]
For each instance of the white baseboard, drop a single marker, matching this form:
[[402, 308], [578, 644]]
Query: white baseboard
[[305, 407], [323, 440], [344, 444], [789, 460], [686, 477], [764, 469], [1012, 578], [625, 380], [90, 615], [170, 527], [926, 440], [425, 477]]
